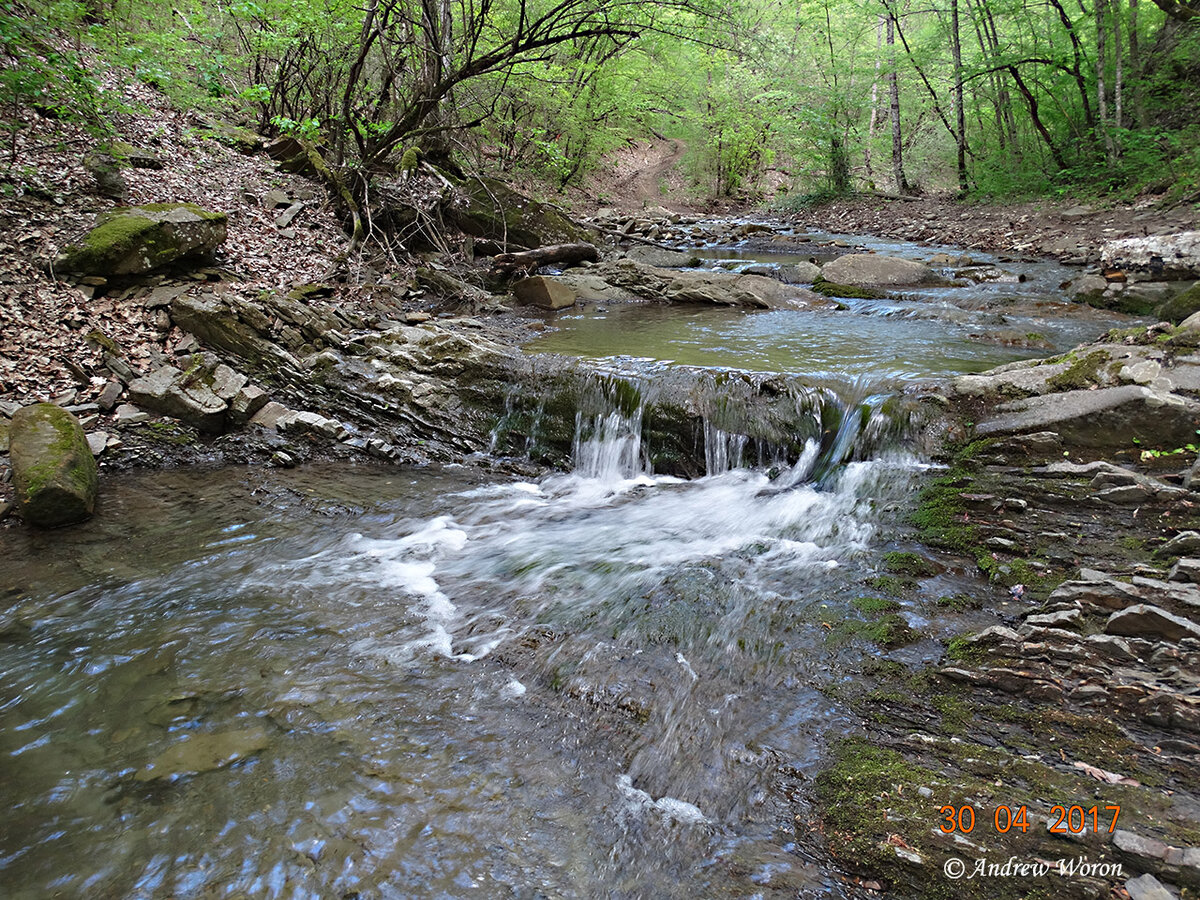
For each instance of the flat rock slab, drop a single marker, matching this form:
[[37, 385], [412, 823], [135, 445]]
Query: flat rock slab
[[204, 753], [1176, 255], [1108, 418], [1143, 620], [865, 269]]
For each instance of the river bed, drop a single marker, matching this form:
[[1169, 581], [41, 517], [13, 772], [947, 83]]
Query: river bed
[[362, 681]]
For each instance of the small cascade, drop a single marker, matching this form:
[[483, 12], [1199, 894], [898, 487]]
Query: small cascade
[[723, 451], [608, 432]]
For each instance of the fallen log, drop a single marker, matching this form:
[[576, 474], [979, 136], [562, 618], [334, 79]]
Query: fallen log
[[528, 260]]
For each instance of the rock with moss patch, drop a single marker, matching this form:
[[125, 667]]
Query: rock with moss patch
[[54, 471], [138, 239], [488, 208], [1180, 308]]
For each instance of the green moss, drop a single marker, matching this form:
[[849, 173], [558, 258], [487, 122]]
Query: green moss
[[1081, 374], [962, 650], [959, 602], [907, 563], [1180, 307], [874, 605], [849, 291], [891, 584]]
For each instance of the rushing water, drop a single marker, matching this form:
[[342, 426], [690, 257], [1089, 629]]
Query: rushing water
[[373, 682]]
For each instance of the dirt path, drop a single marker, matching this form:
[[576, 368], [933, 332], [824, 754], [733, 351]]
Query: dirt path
[[646, 174]]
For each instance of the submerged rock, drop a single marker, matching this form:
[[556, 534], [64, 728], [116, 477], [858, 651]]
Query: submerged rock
[[133, 240], [54, 472], [204, 753]]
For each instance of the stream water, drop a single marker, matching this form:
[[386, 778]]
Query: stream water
[[372, 682]]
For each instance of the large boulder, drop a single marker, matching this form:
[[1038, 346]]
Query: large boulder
[[1104, 419], [487, 208], [136, 239], [548, 293], [54, 471], [1165, 255], [869, 269], [1182, 307]]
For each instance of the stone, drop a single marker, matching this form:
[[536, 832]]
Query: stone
[[97, 442], [798, 273], [204, 753], [1126, 495], [1172, 256], [664, 259], [270, 414], [275, 198], [1113, 647], [128, 414], [138, 239], [54, 472], [246, 404], [487, 208], [105, 170], [416, 318], [1186, 569], [171, 392], [1144, 620], [1181, 544], [137, 157], [1104, 592], [227, 383], [1064, 618], [288, 215], [868, 269], [109, 395], [544, 292], [1147, 887], [1106, 418], [1179, 309]]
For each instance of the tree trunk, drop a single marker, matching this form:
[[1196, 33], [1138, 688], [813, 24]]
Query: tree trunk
[[566, 254], [1101, 91], [874, 98], [960, 115], [1135, 65], [1031, 102], [902, 186], [1118, 72]]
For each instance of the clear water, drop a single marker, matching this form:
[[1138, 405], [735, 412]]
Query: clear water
[[432, 684], [924, 333], [384, 683]]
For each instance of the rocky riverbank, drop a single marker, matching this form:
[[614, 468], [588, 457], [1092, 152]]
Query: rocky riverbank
[[1067, 732]]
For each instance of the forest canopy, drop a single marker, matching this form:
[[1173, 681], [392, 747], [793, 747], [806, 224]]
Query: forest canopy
[[802, 100]]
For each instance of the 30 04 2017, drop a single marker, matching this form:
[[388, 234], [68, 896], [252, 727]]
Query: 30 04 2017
[[1076, 819]]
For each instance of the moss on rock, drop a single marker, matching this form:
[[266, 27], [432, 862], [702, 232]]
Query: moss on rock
[[1179, 308], [133, 240], [54, 472]]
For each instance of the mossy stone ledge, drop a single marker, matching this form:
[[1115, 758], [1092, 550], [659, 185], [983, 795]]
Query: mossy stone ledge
[[133, 240], [54, 472]]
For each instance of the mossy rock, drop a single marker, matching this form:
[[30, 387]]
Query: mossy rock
[[488, 208], [54, 471], [1179, 308], [138, 239], [848, 291]]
